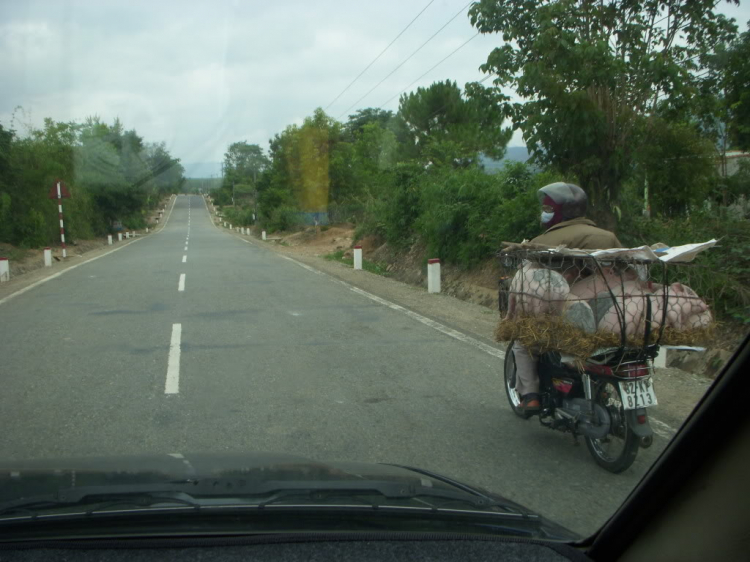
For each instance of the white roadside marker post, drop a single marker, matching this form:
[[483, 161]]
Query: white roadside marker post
[[119, 236], [433, 275], [127, 235], [357, 257], [48, 257], [109, 239], [263, 235], [660, 361], [4, 270]]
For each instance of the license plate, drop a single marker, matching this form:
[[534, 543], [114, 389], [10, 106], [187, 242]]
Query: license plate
[[638, 393]]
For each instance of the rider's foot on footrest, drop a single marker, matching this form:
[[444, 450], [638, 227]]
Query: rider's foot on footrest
[[530, 404]]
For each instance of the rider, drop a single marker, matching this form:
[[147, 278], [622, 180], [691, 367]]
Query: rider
[[563, 209]]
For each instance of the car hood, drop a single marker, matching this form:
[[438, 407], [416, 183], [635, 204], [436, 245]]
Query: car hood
[[221, 474]]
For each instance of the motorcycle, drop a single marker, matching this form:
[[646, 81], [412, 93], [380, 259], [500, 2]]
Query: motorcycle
[[605, 400]]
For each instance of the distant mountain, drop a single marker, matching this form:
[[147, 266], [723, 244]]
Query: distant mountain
[[202, 169], [512, 154]]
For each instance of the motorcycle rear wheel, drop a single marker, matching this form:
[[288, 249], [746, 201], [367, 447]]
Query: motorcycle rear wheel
[[617, 451], [514, 399]]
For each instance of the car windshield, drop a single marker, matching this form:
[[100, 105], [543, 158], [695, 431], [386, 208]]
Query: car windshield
[[494, 252]]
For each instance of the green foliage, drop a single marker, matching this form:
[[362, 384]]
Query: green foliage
[[283, 218], [678, 165], [239, 216], [466, 214], [444, 127], [367, 265], [111, 173], [243, 165], [590, 73], [734, 79]]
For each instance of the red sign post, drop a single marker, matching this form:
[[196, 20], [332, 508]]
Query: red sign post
[[60, 191]]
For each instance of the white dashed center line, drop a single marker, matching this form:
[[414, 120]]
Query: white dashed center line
[[172, 384], [181, 285], [184, 259]]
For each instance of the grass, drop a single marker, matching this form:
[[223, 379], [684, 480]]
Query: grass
[[367, 265], [15, 254]]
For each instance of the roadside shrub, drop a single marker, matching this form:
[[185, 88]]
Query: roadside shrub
[[467, 214], [283, 218]]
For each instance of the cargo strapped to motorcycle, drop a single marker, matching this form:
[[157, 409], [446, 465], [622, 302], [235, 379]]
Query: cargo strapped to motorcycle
[[581, 301]]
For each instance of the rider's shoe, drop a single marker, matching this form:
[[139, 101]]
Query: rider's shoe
[[530, 404]]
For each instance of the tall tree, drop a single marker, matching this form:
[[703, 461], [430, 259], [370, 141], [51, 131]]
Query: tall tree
[[243, 163], [589, 72], [445, 126]]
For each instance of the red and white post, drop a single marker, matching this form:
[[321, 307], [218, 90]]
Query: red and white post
[[62, 227], [357, 257], [433, 275]]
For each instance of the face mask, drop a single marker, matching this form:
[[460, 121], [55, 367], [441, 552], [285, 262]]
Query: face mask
[[547, 217]]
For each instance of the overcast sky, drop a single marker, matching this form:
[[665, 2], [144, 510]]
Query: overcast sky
[[200, 75]]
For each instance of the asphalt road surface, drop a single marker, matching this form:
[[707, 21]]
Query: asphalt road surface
[[192, 340]]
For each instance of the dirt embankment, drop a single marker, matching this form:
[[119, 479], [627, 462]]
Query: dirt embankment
[[478, 285]]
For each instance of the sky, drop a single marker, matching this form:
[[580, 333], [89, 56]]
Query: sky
[[199, 75]]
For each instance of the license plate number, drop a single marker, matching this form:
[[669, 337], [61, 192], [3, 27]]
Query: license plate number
[[638, 393]]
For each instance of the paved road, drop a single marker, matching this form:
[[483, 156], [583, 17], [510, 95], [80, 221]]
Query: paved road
[[272, 357]]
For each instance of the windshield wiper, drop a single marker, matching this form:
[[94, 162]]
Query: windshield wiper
[[203, 492]]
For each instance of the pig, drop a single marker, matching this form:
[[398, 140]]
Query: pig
[[626, 282], [684, 307], [536, 290], [609, 319]]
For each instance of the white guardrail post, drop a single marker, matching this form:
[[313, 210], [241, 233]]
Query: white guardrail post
[[357, 257], [48, 257], [4, 270], [433, 275], [109, 239]]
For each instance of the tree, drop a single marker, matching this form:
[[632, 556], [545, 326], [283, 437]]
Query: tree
[[736, 84], [445, 127], [367, 116], [590, 72], [243, 163], [677, 165]]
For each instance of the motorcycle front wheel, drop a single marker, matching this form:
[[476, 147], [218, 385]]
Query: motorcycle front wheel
[[617, 451]]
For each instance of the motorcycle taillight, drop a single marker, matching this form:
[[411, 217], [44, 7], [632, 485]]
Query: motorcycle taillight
[[633, 371], [563, 385]]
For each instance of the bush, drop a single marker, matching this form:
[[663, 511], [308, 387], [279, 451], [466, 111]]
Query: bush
[[283, 218], [466, 214]]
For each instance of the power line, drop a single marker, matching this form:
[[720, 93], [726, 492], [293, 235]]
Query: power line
[[433, 68], [380, 55], [405, 60]]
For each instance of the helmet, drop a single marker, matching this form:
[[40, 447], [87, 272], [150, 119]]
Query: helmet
[[568, 200]]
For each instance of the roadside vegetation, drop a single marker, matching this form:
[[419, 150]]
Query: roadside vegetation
[[639, 106], [367, 265], [112, 173]]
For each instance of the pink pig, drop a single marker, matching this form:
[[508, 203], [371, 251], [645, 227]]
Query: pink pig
[[684, 307], [536, 290]]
